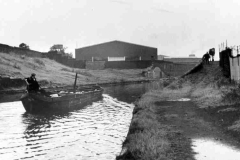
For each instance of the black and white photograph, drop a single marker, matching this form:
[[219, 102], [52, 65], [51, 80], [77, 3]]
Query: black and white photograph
[[119, 80]]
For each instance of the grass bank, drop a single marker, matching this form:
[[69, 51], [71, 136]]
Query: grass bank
[[50, 73], [151, 138]]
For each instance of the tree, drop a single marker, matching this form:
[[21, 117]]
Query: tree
[[24, 46], [58, 48]]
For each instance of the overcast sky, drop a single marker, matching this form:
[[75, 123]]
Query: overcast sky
[[177, 28]]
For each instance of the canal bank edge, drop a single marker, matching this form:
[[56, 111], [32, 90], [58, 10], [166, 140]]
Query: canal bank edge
[[159, 140], [14, 94], [16, 85]]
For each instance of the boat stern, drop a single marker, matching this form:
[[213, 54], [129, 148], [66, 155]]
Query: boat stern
[[27, 102]]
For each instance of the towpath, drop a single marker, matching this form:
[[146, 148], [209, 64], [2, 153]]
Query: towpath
[[196, 128]]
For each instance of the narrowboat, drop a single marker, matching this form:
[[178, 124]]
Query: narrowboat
[[35, 102], [60, 100]]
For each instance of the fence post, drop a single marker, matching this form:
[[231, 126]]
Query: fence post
[[238, 60]]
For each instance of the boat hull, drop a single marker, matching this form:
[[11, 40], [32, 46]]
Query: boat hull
[[36, 103]]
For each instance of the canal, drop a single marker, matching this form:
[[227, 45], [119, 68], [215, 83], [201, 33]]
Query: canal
[[95, 132]]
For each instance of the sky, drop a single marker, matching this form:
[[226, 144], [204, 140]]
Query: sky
[[176, 28]]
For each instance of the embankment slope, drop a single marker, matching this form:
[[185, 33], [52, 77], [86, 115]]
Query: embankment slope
[[50, 73], [160, 127]]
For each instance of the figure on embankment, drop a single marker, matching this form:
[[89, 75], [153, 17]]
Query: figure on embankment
[[206, 58], [212, 53]]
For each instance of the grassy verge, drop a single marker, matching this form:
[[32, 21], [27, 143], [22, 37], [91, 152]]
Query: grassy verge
[[148, 137]]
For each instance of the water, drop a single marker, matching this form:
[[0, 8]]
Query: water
[[181, 99], [210, 149], [95, 132]]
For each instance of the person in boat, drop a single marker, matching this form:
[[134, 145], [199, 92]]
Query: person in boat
[[32, 84]]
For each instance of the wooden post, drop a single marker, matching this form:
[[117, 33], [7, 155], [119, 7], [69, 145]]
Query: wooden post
[[75, 82]]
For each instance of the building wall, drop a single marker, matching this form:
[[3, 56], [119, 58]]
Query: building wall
[[168, 68], [183, 60], [235, 68], [224, 61], [116, 49], [128, 64], [173, 69], [95, 65]]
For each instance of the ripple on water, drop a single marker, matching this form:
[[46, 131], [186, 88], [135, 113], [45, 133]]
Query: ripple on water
[[95, 132], [181, 99]]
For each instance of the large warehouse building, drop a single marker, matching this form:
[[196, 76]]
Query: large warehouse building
[[116, 51]]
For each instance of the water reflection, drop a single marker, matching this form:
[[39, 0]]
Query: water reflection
[[210, 149], [95, 132], [129, 93]]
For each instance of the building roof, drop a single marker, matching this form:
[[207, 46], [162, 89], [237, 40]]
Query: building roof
[[162, 55], [180, 57], [116, 41]]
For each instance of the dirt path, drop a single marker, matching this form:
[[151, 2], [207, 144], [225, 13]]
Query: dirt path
[[191, 123]]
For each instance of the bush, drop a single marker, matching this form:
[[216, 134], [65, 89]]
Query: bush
[[84, 73], [15, 65], [66, 69], [38, 61], [22, 56]]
